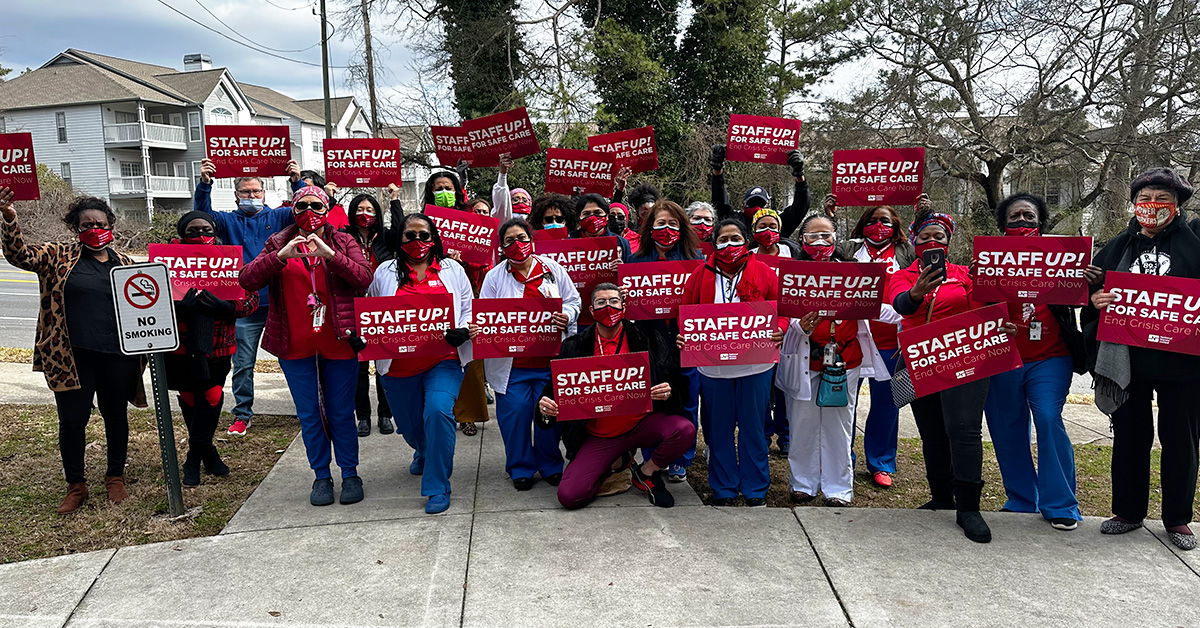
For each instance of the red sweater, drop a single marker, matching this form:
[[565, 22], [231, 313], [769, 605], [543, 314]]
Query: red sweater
[[759, 283]]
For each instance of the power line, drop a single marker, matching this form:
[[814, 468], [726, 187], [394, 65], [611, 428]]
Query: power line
[[242, 43], [235, 32], [304, 6]]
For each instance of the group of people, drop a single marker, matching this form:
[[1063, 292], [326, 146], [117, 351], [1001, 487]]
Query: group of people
[[301, 277]]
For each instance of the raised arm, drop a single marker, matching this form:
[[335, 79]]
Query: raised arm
[[35, 258], [720, 195], [794, 214], [501, 198]]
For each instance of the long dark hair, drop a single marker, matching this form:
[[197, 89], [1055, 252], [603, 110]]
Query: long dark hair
[[396, 235], [837, 253], [376, 229], [460, 198], [898, 234], [688, 242], [1038, 202], [561, 202]]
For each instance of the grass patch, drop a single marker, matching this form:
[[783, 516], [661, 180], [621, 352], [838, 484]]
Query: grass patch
[[25, 356], [909, 489], [32, 485]]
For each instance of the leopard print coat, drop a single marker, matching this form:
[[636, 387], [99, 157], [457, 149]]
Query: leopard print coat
[[53, 262]]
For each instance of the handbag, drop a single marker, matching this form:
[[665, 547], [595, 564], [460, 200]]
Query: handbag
[[903, 392], [832, 391]]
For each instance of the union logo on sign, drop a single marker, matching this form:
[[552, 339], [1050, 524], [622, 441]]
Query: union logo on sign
[[965, 373]]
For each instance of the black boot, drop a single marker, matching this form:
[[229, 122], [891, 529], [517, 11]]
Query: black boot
[[942, 493], [213, 463], [191, 468], [966, 497]]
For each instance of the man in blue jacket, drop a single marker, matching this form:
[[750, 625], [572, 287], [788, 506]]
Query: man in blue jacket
[[248, 227]]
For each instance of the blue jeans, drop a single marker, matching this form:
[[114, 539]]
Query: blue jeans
[[424, 415], [527, 449], [310, 380], [1038, 389], [883, 422], [691, 406], [249, 332], [739, 405]]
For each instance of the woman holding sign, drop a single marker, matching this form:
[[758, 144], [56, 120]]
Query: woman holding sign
[[950, 422], [423, 390], [1156, 242], [77, 346], [879, 237], [314, 273], [735, 398], [519, 382], [1051, 347], [366, 226]]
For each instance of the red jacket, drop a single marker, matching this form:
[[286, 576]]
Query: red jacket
[[347, 275], [759, 283]]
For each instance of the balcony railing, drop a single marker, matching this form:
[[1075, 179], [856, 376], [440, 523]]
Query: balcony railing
[[163, 186], [158, 134]]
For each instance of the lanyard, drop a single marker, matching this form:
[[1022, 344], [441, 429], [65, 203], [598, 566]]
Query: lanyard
[[620, 341], [727, 294]]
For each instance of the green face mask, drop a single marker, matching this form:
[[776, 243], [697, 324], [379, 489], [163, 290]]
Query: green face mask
[[443, 198]]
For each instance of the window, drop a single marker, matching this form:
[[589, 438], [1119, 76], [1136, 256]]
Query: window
[[318, 137], [131, 169], [156, 118], [195, 172], [194, 126], [64, 171], [176, 119], [3, 126], [60, 121], [124, 117], [221, 115], [161, 169], [1053, 193], [180, 169]]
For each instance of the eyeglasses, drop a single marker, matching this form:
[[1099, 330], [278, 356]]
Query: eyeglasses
[[423, 236], [882, 221], [592, 212], [550, 220], [776, 230], [702, 221], [93, 225], [613, 301], [817, 236], [250, 193], [317, 206], [520, 238]]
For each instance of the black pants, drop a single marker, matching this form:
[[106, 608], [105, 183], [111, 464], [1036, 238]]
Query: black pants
[[362, 396], [1133, 437], [111, 379], [951, 427], [200, 398]]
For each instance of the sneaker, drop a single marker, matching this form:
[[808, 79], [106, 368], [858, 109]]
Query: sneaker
[[436, 504], [834, 502], [523, 484], [784, 449], [1118, 526], [652, 485], [723, 502], [239, 427], [491, 398], [1063, 523], [322, 492], [553, 479], [676, 473], [882, 479], [364, 427], [352, 490], [756, 502], [800, 497]]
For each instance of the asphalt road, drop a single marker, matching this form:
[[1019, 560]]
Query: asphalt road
[[18, 306]]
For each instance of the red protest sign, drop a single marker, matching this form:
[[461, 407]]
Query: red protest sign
[[654, 289], [468, 233], [1046, 269], [761, 139], [959, 349], [839, 290], [245, 150], [602, 386], [515, 328], [18, 168], [549, 234], [589, 262], [1152, 311], [362, 162], [209, 267], [724, 334], [571, 171], [406, 326], [508, 132], [878, 176], [451, 144], [634, 148]]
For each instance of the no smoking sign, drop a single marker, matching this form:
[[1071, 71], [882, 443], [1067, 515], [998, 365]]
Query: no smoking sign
[[145, 320]]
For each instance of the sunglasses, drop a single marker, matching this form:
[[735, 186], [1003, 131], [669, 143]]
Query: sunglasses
[[318, 206], [550, 220], [423, 236], [200, 232]]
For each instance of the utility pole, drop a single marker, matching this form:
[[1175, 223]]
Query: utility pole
[[366, 17], [325, 70]]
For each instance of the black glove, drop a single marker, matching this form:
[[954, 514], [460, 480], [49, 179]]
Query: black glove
[[718, 157], [464, 172], [189, 299], [796, 161], [214, 307], [457, 336]]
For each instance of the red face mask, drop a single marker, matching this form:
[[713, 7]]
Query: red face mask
[[766, 237], [730, 253], [518, 251], [417, 250], [702, 230], [365, 221], [200, 240], [96, 238], [878, 232], [608, 315], [1022, 228], [932, 244], [819, 252], [520, 208], [310, 221], [593, 225], [666, 236], [1152, 215]]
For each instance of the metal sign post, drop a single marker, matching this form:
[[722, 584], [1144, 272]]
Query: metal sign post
[[146, 325]]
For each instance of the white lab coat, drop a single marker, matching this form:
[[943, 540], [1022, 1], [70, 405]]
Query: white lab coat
[[452, 276], [793, 375]]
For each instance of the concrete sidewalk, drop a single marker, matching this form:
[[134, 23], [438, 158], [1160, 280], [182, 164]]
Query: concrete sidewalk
[[500, 557]]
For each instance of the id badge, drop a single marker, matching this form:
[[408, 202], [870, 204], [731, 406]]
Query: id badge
[[830, 356], [318, 319], [1035, 330]]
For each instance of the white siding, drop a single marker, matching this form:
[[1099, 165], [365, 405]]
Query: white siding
[[84, 148]]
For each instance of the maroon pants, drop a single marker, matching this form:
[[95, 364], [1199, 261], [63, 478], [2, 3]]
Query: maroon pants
[[670, 436]]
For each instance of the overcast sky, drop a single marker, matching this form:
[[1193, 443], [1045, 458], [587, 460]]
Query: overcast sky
[[33, 31]]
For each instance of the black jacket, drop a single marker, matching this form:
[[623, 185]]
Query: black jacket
[[1181, 246], [790, 218], [664, 367], [1072, 337]]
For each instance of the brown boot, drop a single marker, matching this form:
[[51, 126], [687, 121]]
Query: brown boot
[[76, 495], [116, 488]]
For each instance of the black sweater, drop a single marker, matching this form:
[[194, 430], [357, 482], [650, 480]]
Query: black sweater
[[790, 218]]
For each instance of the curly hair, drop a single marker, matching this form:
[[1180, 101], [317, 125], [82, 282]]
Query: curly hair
[[560, 202], [642, 194], [1038, 202], [84, 203]]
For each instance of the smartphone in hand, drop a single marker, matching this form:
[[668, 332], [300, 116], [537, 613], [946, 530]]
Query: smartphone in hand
[[935, 258]]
